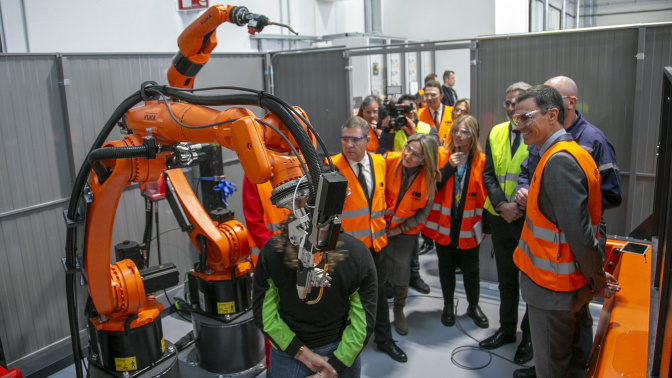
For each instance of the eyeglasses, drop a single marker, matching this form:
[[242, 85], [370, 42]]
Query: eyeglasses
[[569, 97], [508, 103], [464, 133], [524, 119], [431, 94], [460, 110], [414, 154], [351, 140]]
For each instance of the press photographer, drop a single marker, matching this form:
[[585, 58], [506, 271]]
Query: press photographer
[[399, 120]]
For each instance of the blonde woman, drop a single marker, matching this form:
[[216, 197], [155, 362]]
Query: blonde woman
[[410, 183], [453, 221]]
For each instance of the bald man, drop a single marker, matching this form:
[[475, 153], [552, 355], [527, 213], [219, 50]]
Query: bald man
[[602, 151]]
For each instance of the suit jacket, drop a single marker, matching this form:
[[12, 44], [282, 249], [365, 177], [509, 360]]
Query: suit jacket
[[563, 193], [449, 96]]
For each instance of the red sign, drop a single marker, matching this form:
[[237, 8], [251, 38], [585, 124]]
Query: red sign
[[192, 4]]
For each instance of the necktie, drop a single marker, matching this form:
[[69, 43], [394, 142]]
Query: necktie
[[436, 119], [516, 142], [362, 182]]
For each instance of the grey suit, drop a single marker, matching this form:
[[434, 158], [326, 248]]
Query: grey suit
[[563, 197]]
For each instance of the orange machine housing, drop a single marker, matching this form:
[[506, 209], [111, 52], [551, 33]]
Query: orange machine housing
[[622, 337]]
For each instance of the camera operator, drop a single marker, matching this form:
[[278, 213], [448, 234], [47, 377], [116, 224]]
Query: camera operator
[[401, 124]]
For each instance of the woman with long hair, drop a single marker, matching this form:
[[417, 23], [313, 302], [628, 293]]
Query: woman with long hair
[[410, 182], [455, 218], [322, 339]]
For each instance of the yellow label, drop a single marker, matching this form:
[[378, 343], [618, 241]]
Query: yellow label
[[226, 307], [163, 345], [125, 364]]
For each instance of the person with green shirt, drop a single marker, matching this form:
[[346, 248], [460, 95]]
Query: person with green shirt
[[318, 340]]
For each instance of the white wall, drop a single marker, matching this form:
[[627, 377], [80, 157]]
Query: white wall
[[626, 12], [438, 20], [153, 25], [511, 16]]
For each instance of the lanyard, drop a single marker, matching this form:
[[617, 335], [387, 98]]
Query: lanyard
[[459, 183]]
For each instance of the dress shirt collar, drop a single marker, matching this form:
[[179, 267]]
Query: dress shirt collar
[[549, 142]]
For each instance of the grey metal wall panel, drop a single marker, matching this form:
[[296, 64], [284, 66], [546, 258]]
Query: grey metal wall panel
[[601, 62], [34, 179], [657, 54], [32, 133], [317, 83], [32, 304]]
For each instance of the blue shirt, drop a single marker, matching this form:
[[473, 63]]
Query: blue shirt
[[598, 146]]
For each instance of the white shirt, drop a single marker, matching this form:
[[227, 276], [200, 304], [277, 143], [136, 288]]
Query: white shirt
[[437, 114], [366, 168]]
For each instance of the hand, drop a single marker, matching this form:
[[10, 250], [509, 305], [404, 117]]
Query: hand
[[323, 374], [394, 231], [612, 283], [315, 362], [521, 198], [455, 159], [612, 287], [510, 211], [410, 127]]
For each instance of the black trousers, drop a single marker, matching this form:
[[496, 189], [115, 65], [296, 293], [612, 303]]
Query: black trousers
[[505, 237], [451, 257], [382, 331]]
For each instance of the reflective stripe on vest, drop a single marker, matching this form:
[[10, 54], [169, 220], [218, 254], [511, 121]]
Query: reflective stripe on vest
[[368, 226], [413, 200], [543, 253], [507, 168], [438, 222]]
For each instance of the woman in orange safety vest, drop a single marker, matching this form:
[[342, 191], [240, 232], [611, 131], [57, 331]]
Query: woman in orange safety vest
[[410, 182], [369, 111], [455, 218]]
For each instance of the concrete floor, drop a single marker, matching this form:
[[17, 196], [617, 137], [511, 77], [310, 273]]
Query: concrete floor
[[432, 349]]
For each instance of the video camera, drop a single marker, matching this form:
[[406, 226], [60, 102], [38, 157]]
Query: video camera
[[394, 110]]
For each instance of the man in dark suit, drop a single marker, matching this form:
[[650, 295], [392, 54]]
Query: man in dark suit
[[449, 94], [559, 253]]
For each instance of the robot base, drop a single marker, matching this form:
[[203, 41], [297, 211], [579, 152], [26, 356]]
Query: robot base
[[234, 349], [166, 367]]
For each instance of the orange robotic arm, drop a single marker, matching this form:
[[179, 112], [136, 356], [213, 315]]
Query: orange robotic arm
[[198, 40]]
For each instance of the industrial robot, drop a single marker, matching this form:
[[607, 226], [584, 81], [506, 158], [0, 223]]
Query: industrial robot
[[168, 128]]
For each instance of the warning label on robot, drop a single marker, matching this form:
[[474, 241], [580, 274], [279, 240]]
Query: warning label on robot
[[125, 364], [163, 345], [226, 307]]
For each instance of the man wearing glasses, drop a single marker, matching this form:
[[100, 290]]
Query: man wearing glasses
[[435, 113], [504, 153], [602, 151], [559, 253], [363, 213]]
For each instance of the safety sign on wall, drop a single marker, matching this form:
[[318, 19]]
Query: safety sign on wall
[[191, 4]]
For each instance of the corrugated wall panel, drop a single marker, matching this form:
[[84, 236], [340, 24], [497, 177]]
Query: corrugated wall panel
[[34, 180], [317, 83], [33, 138], [657, 55]]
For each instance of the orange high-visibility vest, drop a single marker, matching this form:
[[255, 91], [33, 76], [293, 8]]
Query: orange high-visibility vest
[[373, 142], [367, 225], [443, 128], [413, 200], [543, 252], [272, 216], [437, 226]]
